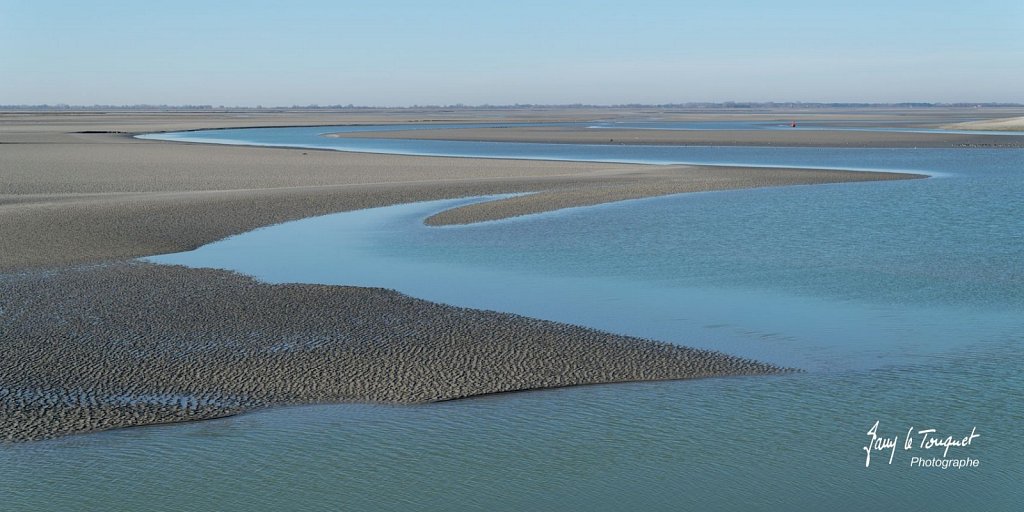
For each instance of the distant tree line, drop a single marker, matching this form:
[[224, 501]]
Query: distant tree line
[[459, 106]]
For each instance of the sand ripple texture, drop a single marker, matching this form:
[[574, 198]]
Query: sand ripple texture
[[123, 344]]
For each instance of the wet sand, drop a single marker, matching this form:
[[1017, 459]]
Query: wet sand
[[656, 182], [91, 198], [92, 342], [69, 198], [133, 343]]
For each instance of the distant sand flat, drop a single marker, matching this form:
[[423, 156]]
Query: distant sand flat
[[1010, 124], [782, 137]]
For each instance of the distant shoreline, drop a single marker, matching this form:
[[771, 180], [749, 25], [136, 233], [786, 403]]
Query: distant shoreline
[[1007, 124], [763, 138], [714, 106]]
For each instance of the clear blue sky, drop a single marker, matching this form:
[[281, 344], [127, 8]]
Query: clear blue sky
[[443, 52]]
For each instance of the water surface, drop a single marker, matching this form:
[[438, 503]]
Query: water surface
[[904, 300]]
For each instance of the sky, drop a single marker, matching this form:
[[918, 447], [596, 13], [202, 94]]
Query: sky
[[402, 53]]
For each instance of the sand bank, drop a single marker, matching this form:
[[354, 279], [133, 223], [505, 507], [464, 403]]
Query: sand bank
[[133, 343], [1012, 124], [781, 137], [105, 196], [650, 183]]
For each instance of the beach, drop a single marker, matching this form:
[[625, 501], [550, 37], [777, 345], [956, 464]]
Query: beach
[[94, 340]]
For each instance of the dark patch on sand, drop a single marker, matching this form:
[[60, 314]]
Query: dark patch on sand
[[126, 344]]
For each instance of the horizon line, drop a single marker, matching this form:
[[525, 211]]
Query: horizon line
[[510, 106]]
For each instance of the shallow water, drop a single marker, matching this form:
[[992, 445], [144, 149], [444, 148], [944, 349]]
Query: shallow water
[[854, 276], [720, 444], [903, 300], [834, 158], [845, 125]]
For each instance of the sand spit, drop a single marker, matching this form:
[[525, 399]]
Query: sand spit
[[657, 182], [1013, 124], [787, 138], [124, 344], [99, 196]]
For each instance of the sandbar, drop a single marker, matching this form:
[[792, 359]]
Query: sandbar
[[776, 137], [1010, 124], [128, 344]]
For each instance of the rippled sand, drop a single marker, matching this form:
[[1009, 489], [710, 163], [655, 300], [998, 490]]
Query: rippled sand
[[135, 343]]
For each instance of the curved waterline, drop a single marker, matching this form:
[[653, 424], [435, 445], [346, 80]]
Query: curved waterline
[[764, 157]]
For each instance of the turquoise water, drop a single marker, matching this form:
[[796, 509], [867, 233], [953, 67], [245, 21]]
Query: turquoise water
[[903, 300]]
